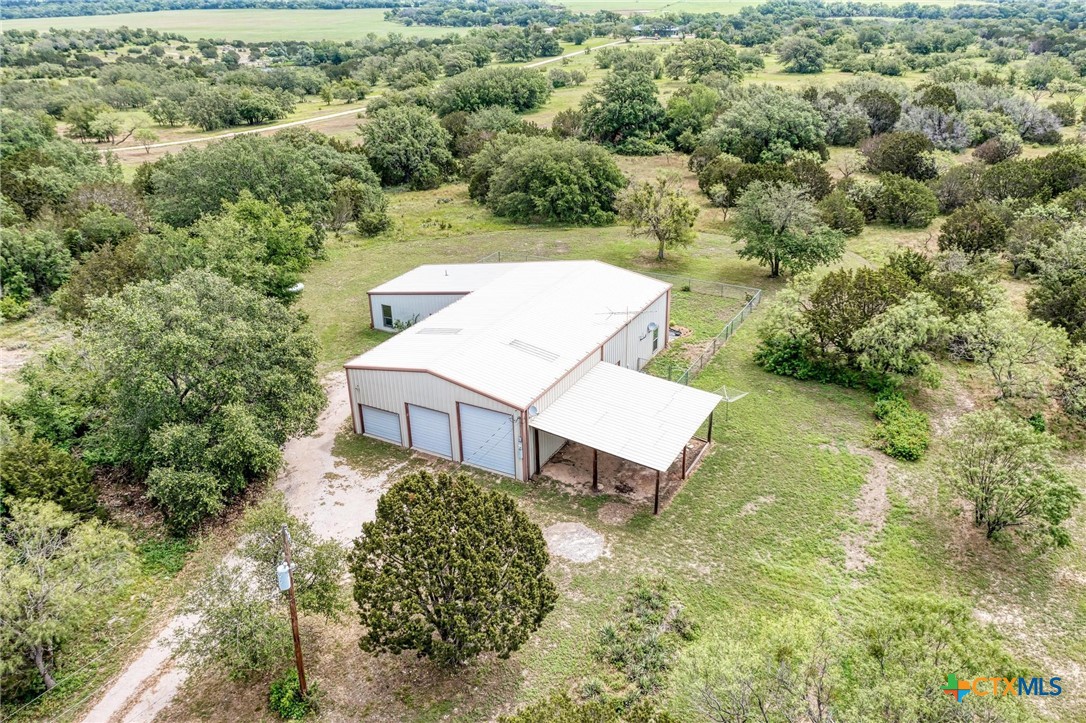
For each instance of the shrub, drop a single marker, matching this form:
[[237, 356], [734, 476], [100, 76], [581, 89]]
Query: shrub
[[905, 202], [974, 229], [1065, 111], [864, 194], [285, 697], [998, 149], [32, 262], [958, 186], [905, 153], [521, 89], [838, 212], [35, 469], [904, 431]]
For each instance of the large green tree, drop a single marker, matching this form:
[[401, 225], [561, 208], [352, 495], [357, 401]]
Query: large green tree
[[660, 210], [694, 59], [253, 243], [801, 54], [1008, 473], [449, 569], [767, 124], [547, 180], [204, 380], [624, 106], [294, 166], [53, 570], [407, 146], [780, 227], [521, 89]]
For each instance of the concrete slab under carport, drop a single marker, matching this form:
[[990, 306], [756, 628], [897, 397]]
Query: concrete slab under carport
[[571, 467]]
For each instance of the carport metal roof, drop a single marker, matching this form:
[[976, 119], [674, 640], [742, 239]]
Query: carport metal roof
[[635, 416]]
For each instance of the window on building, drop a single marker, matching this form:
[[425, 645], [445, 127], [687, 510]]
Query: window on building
[[386, 315], [656, 338]]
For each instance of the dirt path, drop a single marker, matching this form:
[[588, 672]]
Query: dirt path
[[573, 55], [120, 150], [872, 508], [327, 492]]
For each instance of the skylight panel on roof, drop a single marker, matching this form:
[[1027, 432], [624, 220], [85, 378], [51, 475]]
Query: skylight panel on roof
[[533, 350]]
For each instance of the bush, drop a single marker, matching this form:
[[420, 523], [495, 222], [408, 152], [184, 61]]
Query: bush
[[35, 469], [998, 149], [904, 431], [905, 202], [864, 194], [905, 153], [974, 229], [285, 697], [32, 262], [838, 212], [521, 89]]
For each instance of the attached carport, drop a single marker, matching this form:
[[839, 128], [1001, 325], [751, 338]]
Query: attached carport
[[633, 416]]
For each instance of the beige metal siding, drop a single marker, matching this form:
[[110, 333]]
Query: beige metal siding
[[406, 306], [391, 390], [549, 444], [627, 348]]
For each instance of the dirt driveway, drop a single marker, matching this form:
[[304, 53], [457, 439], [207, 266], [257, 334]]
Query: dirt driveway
[[318, 487]]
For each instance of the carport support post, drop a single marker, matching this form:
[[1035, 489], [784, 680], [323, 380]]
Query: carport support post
[[595, 470], [684, 462], [656, 500], [710, 434]]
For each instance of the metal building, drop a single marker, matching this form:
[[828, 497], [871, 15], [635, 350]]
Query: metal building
[[498, 365]]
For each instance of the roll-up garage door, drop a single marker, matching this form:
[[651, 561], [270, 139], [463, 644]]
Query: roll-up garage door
[[430, 430], [487, 438], [381, 424]]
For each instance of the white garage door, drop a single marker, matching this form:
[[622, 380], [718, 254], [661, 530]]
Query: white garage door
[[487, 438], [381, 424], [430, 430]]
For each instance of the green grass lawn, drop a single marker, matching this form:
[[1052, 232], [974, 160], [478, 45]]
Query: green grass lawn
[[755, 534], [248, 24]]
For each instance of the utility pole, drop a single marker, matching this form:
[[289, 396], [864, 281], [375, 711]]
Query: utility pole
[[286, 584]]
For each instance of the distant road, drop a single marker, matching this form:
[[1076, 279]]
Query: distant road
[[258, 129], [315, 119]]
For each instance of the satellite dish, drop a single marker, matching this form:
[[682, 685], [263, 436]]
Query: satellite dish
[[533, 410], [653, 326]]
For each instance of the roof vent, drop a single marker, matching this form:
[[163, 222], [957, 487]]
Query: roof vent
[[533, 350], [438, 330]]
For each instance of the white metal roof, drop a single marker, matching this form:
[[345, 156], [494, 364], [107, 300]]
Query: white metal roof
[[631, 415], [515, 336], [443, 279]]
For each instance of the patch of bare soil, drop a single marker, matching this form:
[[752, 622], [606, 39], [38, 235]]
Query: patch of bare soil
[[13, 357], [574, 542], [571, 468], [357, 686], [872, 507]]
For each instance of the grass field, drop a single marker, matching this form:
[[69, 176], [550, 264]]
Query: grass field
[[296, 24], [248, 25], [629, 7]]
